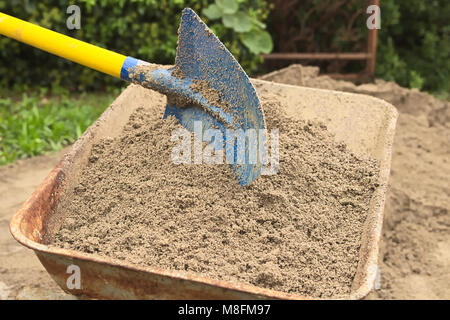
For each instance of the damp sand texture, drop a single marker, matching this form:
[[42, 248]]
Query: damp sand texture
[[298, 231]]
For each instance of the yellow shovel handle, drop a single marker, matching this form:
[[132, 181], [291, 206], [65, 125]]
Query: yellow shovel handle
[[66, 47]]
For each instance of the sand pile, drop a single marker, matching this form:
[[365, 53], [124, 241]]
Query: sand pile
[[298, 231], [415, 250]]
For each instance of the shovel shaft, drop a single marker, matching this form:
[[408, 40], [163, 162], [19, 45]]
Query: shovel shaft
[[66, 47]]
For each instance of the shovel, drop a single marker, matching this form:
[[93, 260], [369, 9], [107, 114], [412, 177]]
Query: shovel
[[206, 89]]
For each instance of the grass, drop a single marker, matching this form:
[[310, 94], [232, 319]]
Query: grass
[[37, 123]]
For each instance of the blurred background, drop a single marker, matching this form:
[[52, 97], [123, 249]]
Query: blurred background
[[47, 102]]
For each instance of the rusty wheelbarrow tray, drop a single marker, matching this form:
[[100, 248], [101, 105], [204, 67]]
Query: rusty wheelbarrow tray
[[366, 124]]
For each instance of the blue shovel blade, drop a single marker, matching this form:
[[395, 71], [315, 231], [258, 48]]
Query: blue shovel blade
[[202, 57]]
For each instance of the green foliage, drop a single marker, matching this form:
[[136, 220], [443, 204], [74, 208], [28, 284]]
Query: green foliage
[[245, 23], [145, 29], [258, 41], [34, 125], [414, 44]]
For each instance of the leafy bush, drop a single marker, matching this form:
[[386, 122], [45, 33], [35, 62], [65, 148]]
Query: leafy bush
[[414, 44], [145, 29]]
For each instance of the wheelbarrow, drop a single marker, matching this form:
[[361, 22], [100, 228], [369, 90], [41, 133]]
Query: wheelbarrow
[[364, 123]]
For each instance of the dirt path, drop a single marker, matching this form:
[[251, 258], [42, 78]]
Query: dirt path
[[19, 266]]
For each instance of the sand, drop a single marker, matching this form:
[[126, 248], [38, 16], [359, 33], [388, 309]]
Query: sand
[[298, 231], [415, 249], [419, 183]]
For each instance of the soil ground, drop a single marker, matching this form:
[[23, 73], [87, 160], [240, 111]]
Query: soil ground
[[415, 249], [19, 266]]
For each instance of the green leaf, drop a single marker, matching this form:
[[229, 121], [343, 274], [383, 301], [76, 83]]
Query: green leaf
[[239, 22], [258, 23], [258, 41], [415, 81], [212, 12], [228, 6], [242, 22], [228, 20]]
